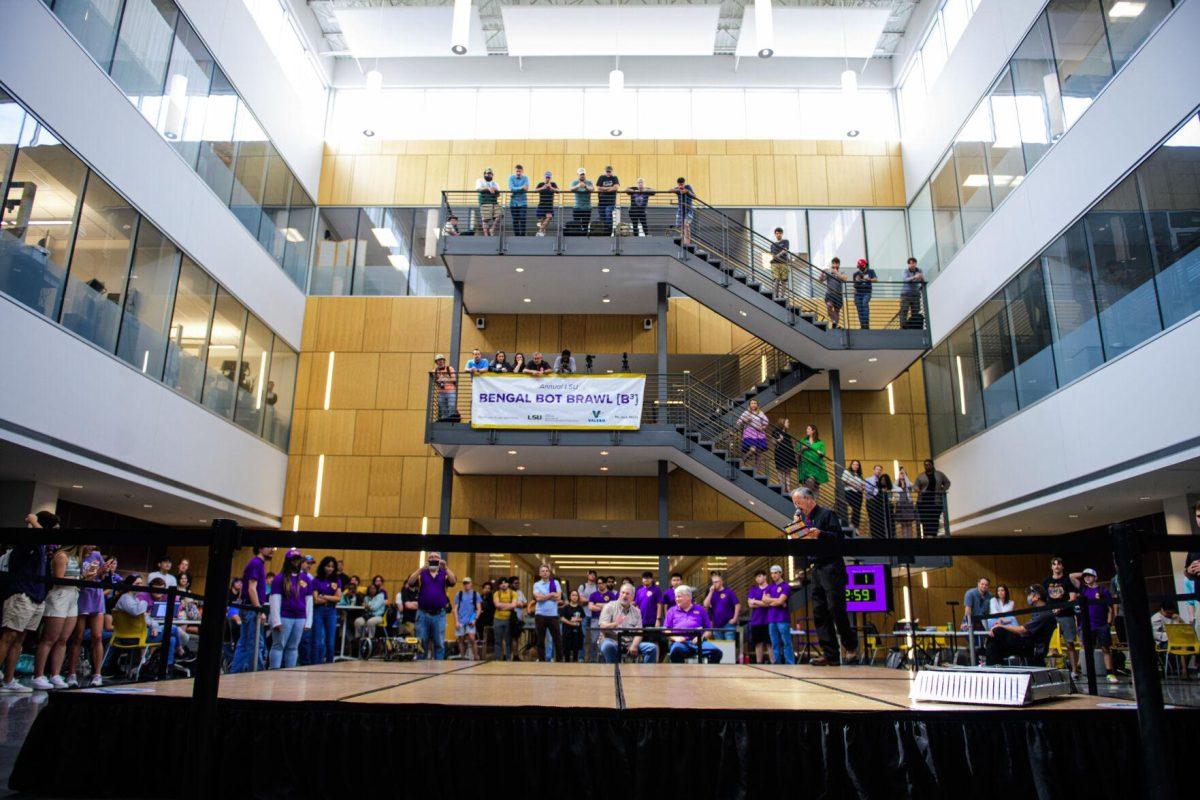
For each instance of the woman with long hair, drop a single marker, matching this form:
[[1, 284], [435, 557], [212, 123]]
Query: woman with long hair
[[785, 454], [905, 510], [855, 485], [518, 365], [572, 632], [291, 610], [500, 363], [91, 616], [58, 620], [1001, 603], [811, 452], [753, 425], [325, 599]]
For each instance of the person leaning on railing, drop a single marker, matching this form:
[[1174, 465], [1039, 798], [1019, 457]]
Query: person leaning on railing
[[639, 199], [546, 190], [489, 203], [582, 215], [445, 378], [518, 185], [910, 297], [863, 277]]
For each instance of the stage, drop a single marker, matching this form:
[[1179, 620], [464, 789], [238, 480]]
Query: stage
[[588, 730]]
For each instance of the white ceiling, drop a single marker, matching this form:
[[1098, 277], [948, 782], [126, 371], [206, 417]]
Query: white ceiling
[[405, 31], [818, 32], [610, 30]]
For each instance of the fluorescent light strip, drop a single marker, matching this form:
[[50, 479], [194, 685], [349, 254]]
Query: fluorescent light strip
[[145, 360], [891, 400], [962, 396], [385, 237], [924, 580], [320, 480], [295, 522], [262, 374], [329, 381], [895, 466]]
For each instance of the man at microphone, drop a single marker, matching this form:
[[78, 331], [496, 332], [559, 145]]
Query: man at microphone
[[828, 589]]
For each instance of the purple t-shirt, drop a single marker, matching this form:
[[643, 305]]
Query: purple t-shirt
[[758, 614], [255, 570], [694, 617], [669, 597], [91, 601], [324, 587], [1097, 609], [778, 613], [647, 599], [602, 598], [292, 605], [431, 597], [722, 605]]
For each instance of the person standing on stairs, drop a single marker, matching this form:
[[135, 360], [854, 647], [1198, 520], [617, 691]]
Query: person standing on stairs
[[785, 454], [780, 269], [685, 212], [864, 276], [812, 459], [834, 279], [753, 425]]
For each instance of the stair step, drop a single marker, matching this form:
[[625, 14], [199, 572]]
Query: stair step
[[739, 276], [701, 255], [706, 444], [822, 324], [755, 285], [720, 453], [781, 302], [695, 437]]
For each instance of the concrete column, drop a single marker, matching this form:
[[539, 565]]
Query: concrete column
[[18, 498], [447, 497], [664, 566], [455, 353], [661, 351], [837, 438]]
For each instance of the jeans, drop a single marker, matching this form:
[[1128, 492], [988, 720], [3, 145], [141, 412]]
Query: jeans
[[306, 647], [447, 404], [157, 637], [863, 303], [285, 644], [829, 610], [606, 216], [909, 304], [681, 650], [610, 651], [431, 628], [244, 659], [582, 217], [728, 632], [519, 214], [637, 218], [324, 634], [542, 624], [585, 628], [503, 643], [781, 642], [854, 501]]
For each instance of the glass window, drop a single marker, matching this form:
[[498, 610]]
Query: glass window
[[222, 368], [298, 235], [887, 243], [1035, 85], [99, 265], [939, 397], [795, 231], [1072, 299], [93, 23], [920, 231], [143, 52], [249, 182], [964, 364], [12, 118], [384, 243], [333, 255], [1081, 50], [1129, 23], [997, 376], [148, 301], [947, 222], [955, 16], [970, 164], [280, 394], [189, 78], [187, 347], [837, 233], [37, 220], [912, 99], [1123, 270], [1006, 163], [933, 53], [1029, 320], [1170, 188], [216, 152], [277, 192], [252, 376], [428, 276]]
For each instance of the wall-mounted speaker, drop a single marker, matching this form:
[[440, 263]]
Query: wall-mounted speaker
[[648, 324], [481, 322]]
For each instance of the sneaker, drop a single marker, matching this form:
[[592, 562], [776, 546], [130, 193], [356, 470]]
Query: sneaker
[[1113, 678], [96, 680], [541, 233], [15, 687], [72, 682], [58, 683], [41, 684]]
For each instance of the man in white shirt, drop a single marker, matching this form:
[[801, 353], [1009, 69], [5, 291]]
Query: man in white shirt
[[489, 203], [164, 572], [618, 614]]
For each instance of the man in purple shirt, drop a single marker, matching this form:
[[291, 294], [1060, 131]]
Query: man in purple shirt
[[669, 592], [760, 634], [251, 647], [596, 602], [649, 600], [684, 616], [775, 596], [431, 582], [723, 607]]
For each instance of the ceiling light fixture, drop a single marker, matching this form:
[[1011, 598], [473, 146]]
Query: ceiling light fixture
[[1126, 9], [519, 269], [512, 452], [385, 237], [147, 505], [605, 270], [604, 469], [460, 27], [76, 485], [526, 299], [764, 28], [520, 469], [603, 452], [606, 299], [1018, 530], [849, 86], [853, 380], [1145, 498], [1072, 516], [176, 106]]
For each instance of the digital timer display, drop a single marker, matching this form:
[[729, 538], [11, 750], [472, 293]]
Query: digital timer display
[[868, 588]]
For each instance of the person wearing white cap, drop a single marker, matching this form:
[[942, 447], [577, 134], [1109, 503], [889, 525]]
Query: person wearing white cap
[[582, 188], [446, 379], [1100, 611], [779, 619], [545, 209]]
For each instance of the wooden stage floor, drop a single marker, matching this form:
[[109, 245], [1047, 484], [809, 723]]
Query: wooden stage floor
[[590, 686]]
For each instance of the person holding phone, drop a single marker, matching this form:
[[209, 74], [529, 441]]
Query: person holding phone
[[431, 582], [685, 212]]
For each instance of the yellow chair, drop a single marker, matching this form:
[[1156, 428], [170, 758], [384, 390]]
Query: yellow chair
[[1181, 641], [1055, 649], [129, 637]]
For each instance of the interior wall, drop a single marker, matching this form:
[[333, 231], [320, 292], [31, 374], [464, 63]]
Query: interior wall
[[728, 173]]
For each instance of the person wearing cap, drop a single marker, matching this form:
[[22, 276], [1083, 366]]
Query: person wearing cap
[[545, 209], [760, 634], [291, 610], [863, 276], [828, 577], [518, 206], [1100, 610], [446, 379], [607, 186], [685, 211], [582, 188], [489, 203], [775, 598], [468, 604], [431, 582], [639, 199]]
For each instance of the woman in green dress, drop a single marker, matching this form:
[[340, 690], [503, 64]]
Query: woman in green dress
[[811, 456]]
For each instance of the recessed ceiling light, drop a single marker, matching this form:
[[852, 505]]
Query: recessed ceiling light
[[1145, 498], [368, 132], [527, 524], [520, 468], [852, 133], [605, 270], [512, 452], [603, 452], [147, 505], [604, 469], [527, 299], [751, 502], [519, 269], [204, 520], [615, 132], [680, 527], [76, 485], [853, 380], [743, 313], [606, 299], [1018, 530], [872, 360], [1073, 516]]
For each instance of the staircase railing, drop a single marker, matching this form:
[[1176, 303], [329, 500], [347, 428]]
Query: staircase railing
[[748, 369]]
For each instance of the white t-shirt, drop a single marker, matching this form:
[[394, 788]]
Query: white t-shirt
[[168, 579], [480, 184]]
